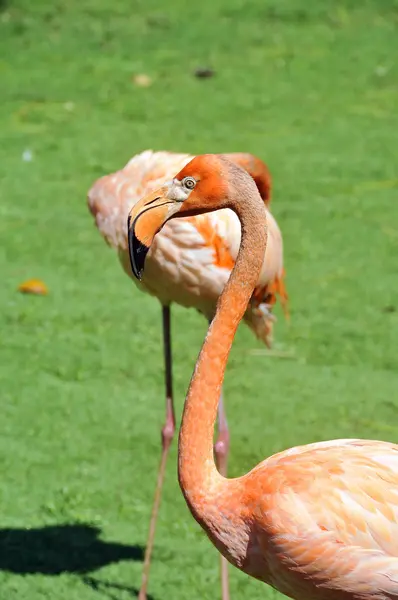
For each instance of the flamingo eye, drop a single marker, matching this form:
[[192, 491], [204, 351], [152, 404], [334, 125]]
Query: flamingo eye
[[189, 183]]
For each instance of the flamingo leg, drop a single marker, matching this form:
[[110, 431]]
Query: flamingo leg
[[167, 433], [221, 451]]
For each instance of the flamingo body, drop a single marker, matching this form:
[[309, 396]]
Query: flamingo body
[[318, 521], [191, 259]]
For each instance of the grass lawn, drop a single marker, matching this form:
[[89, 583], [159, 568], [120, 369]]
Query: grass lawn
[[309, 86]]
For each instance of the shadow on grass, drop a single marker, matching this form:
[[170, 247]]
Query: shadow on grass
[[60, 549], [106, 588]]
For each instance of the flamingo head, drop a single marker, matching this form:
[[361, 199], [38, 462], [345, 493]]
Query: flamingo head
[[201, 186]]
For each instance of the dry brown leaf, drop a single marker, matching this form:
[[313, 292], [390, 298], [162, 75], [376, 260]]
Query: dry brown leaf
[[142, 80], [33, 286]]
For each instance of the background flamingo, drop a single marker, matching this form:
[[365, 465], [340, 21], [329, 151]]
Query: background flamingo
[[317, 522], [189, 263]]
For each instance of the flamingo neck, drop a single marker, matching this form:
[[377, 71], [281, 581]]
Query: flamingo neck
[[198, 476]]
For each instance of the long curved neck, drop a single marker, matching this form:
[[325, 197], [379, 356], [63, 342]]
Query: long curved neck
[[198, 475]]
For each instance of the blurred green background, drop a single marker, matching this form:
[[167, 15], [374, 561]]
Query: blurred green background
[[311, 87]]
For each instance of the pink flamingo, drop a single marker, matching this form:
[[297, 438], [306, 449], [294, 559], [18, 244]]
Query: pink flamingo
[[189, 263], [316, 522]]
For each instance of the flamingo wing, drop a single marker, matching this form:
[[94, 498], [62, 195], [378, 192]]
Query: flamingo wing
[[221, 232], [332, 516], [111, 197]]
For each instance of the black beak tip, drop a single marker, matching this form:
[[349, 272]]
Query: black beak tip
[[137, 252]]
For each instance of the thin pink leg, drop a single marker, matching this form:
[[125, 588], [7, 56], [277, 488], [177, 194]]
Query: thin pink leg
[[167, 437], [221, 447], [221, 451]]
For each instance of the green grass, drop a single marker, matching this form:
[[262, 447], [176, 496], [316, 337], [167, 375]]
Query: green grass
[[310, 87]]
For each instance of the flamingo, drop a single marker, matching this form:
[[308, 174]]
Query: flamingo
[[189, 263], [316, 522]]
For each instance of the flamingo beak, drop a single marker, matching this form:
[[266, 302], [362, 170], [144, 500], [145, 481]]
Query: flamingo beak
[[144, 221]]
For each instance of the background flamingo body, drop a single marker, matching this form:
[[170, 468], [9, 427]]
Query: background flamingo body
[[191, 259]]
